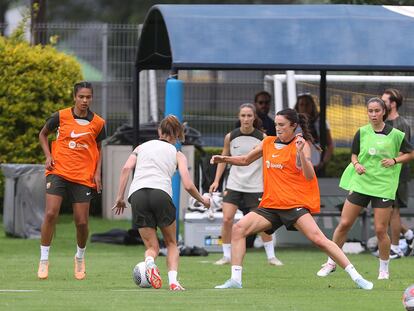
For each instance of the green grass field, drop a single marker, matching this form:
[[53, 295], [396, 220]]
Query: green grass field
[[109, 285]]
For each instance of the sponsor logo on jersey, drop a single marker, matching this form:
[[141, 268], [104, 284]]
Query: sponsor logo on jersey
[[72, 145], [273, 165]]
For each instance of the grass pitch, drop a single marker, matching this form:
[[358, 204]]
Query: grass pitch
[[109, 284]]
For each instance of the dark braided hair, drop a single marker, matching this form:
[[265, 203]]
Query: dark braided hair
[[299, 119]]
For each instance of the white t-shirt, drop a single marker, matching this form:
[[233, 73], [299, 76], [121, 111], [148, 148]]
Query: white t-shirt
[[245, 178], [156, 164]]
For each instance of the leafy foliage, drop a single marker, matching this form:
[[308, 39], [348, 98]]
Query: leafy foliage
[[35, 81]]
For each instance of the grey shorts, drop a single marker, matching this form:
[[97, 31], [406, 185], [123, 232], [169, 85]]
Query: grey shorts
[[364, 199], [76, 193], [248, 200], [401, 197], [280, 217], [152, 208]]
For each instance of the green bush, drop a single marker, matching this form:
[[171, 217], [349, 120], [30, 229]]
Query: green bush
[[35, 81]]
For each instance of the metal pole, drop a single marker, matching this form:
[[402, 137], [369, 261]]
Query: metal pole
[[105, 74], [322, 110]]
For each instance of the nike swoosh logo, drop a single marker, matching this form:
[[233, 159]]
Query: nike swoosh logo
[[235, 147], [385, 200], [298, 209], [74, 135], [88, 193], [275, 155]]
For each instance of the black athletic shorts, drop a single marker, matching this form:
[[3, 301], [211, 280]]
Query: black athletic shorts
[[152, 208], [280, 217], [76, 193], [401, 197], [364, 199], [246, 199]]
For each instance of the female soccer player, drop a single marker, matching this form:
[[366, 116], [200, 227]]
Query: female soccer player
[[290, 194], [244, 184], [372, 176], [150, 194], [72, 167]]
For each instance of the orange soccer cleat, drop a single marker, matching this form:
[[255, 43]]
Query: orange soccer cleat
[[80, 271]]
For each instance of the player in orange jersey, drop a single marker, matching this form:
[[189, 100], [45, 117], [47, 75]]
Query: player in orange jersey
[[290, 195], [73, 168]]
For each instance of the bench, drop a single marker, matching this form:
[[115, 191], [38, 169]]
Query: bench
[[333, 197]]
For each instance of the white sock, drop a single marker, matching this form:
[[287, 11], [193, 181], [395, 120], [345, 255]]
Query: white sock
[[236, 273], [395, 248], [353, 273], [384, 265], [172, 277], [80, 252], [331, 261], [270, 249], [44, 252], [227, 250], [409, 234], [149, 260]]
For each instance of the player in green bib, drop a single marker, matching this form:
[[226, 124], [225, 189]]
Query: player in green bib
[[372, 176]]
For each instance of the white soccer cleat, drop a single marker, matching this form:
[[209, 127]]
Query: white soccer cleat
[[364, 284], [383, 275], [223, 261], [275, 262], [327, 268], [230, 283]]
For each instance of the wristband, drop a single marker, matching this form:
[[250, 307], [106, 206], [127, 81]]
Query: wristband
[[395, 161], [355, 163]]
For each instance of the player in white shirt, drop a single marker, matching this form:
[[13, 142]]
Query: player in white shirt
[[244, 183], [150, 195]]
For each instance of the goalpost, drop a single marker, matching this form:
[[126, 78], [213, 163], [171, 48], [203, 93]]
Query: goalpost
[[346, 97]]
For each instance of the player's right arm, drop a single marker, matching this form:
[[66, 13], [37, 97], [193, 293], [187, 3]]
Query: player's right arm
[[221, 166], [44, 143], [244, 160], [52, 123], [120, 204]]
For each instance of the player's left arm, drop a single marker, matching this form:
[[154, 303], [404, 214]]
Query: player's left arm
[[304, 152], [98, 172], [406, 154], [97, 177]]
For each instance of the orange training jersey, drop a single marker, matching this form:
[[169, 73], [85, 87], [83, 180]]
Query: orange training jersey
[[75, 150], [285, 186]]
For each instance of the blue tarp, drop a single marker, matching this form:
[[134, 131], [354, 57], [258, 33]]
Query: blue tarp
[[308, 37]]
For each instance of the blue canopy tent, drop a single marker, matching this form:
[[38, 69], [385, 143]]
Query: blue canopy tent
[[276, 37]]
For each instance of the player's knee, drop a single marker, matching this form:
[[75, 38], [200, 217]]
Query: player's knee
[[381, 231], [227, 221], [51, 217], [238, 231], [319, 240], [82, 225], [170, 241], [345, 225]]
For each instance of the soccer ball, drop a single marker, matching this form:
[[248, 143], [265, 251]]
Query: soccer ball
[[408, 298], [139, 275]]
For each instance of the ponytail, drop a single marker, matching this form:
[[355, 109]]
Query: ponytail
[[306, 133], [301, 120]]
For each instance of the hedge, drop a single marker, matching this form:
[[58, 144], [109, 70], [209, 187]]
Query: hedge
[[35, 81]]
